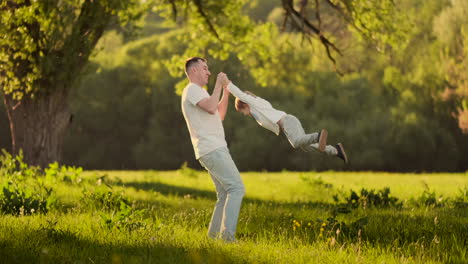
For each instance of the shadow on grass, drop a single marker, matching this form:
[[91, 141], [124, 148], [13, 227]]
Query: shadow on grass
[[180, 191], [39, 246]]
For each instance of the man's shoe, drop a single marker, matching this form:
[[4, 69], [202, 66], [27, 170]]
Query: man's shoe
[[341, 153], [322, 139]]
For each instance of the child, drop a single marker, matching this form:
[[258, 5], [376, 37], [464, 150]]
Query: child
[[274, 120]]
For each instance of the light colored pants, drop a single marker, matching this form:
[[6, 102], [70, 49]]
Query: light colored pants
[[296, 135], [229, 191]]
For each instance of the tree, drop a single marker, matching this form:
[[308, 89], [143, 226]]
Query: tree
[[450, 28], [44, 47]]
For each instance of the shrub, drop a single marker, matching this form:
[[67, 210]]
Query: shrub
[[23, 192], [461, 201], [63, 173], [372, 198], [116, 210]]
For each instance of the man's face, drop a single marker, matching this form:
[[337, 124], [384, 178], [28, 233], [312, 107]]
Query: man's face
[[202, 72]]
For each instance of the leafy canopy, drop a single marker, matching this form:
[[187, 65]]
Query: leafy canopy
[[45, 44]]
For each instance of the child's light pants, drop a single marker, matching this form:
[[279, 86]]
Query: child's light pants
[[229, 190], [296, 135]]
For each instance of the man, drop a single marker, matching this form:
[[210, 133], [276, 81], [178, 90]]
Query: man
[[203, 114]]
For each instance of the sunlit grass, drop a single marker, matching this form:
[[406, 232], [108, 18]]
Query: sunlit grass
[[278, 221]]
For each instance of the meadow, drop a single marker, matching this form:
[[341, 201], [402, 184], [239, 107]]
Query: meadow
[[286, 217]]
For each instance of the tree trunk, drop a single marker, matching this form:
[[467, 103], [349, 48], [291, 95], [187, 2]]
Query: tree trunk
[[38, 126]]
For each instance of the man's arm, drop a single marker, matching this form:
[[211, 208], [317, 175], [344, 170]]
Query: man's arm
[[223, 104], [210, 104]]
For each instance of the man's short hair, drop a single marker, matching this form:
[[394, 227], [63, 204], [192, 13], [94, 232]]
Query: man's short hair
[[192, 61]]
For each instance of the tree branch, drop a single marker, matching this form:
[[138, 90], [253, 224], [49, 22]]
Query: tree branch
[[174, 9], [299, 19], [198, 4], [317, 14]]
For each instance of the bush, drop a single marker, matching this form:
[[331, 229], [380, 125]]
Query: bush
[[23, 191], [115, 210], [366, 199], [461, 201]]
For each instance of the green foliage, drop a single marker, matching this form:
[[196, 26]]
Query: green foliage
[[428, 198], [18, 199], [461, 201], [115, 210], [41, 38], [333, 230], [372, 198], [64, 173], [126, 218], [23, 192], [315, 182], [450, 29], [383, 22], [103, 198]]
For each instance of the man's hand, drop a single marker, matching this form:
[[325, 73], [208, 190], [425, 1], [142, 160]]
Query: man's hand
[[226, 83], [210, 104], [221, 79]]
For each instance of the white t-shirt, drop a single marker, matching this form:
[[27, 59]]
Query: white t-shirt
[[206, 130]]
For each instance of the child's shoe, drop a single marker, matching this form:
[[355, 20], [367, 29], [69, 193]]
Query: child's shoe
[[341, 153]]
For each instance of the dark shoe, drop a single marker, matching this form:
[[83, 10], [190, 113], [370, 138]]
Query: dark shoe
[[322, 139], [341, 153]]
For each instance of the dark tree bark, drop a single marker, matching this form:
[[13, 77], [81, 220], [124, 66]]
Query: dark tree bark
[[38, 126]]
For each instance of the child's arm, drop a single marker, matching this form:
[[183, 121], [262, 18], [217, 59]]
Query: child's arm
[[243, 96]]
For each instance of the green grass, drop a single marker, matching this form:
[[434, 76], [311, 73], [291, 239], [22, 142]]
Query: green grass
[[278, 221]]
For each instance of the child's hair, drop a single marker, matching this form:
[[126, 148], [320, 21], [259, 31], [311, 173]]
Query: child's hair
[[238, 104]]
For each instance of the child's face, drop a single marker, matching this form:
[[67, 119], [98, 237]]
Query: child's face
[[245, 110]]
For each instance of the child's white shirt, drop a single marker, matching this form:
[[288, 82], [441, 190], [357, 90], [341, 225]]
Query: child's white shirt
[[261, 109]]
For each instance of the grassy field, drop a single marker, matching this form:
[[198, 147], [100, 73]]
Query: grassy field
[[286, 217]]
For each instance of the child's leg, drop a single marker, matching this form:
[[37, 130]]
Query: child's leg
[[329, 150], [295, 133]]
